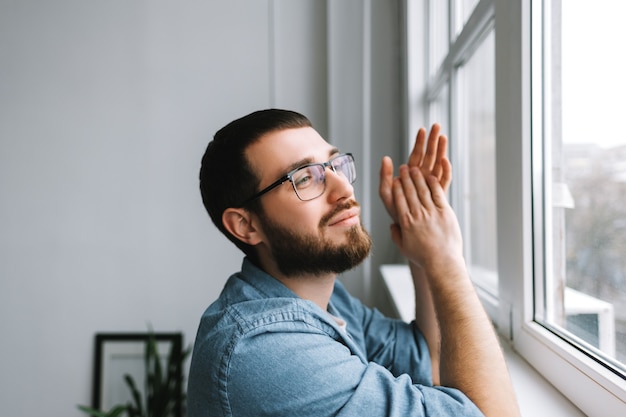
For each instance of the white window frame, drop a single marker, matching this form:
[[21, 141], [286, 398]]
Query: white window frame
[[591, 387]]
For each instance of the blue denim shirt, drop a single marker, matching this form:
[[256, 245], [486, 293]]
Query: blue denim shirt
[[263, 351]]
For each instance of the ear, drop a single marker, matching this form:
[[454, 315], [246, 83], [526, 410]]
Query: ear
[[240, 223]]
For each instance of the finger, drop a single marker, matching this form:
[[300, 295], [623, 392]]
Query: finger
[[385, 186], [446, 174], [411, 188], [417, 154], [386, 177], [432, 147], [399, 199], [437, 194], [422, 189], [442, 149]]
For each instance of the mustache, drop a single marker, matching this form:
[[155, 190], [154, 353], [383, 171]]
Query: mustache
[[338, 209]]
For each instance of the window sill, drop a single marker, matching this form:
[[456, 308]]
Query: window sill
[[535, 395]]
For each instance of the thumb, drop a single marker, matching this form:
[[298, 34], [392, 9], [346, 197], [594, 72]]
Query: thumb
[[396, 235]]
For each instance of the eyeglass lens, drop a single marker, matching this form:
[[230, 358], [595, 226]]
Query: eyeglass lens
[[309, 182]]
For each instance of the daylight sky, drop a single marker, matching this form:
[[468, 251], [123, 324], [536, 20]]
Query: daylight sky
[[594, 68]]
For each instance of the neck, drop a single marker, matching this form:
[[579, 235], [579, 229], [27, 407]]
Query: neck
[[312, 287]]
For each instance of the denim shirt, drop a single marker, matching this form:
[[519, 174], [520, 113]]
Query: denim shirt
[[263, 351]]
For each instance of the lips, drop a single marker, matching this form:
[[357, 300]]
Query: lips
[[344, 216]]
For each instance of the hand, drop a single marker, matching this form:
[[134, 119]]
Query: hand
[[431, 160], [427, 231]]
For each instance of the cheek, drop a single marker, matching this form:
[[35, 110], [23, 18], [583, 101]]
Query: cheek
[[297, 216]]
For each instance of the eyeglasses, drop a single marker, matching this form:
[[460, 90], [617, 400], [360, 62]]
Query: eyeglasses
[[309, 181]]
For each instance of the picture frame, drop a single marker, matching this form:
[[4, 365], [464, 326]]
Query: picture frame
[[118, 354]]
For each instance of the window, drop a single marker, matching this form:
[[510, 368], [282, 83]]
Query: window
[[460, 94], [584, 286], [525, 97], [580, 181]]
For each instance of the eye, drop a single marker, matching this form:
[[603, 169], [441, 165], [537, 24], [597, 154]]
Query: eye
[[307, 176], [303, 180]]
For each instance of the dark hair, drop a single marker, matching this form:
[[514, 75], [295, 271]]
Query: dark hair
[[226, 178]]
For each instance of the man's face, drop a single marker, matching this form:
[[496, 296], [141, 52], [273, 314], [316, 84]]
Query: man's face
[[323, 235]]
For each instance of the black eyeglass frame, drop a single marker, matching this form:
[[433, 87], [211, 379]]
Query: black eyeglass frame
[[289, 177]]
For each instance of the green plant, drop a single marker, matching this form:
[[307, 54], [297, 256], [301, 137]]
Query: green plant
[[113, 412], [163, 392]]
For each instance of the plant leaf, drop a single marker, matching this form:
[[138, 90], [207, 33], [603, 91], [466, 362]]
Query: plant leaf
[[91, 411], [138, 409], [117, 410], [113, 412]]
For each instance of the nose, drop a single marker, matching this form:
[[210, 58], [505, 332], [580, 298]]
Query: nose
[[337, 185]]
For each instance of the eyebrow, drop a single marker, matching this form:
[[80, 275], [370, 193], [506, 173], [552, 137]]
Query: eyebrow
[[309, 160]]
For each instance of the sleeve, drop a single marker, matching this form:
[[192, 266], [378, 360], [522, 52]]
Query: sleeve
[[392, 343], [303, 371]]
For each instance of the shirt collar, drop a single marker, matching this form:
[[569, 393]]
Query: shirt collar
[[263, 282]]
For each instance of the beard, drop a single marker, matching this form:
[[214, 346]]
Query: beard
[[297, 254]]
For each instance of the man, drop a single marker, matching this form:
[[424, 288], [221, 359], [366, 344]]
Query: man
[[285, 338]]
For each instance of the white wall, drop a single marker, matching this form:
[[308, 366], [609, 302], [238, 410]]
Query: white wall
[[105, 110]]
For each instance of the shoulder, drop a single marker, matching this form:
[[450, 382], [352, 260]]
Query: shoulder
[[251, 337], [239, 327]]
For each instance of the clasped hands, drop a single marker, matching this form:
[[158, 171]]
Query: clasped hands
[[424, 228]]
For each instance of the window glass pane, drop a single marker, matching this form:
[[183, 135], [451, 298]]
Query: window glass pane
[[585, 177], [439, 110], [476, 138], [464, 9], [439, 38]]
